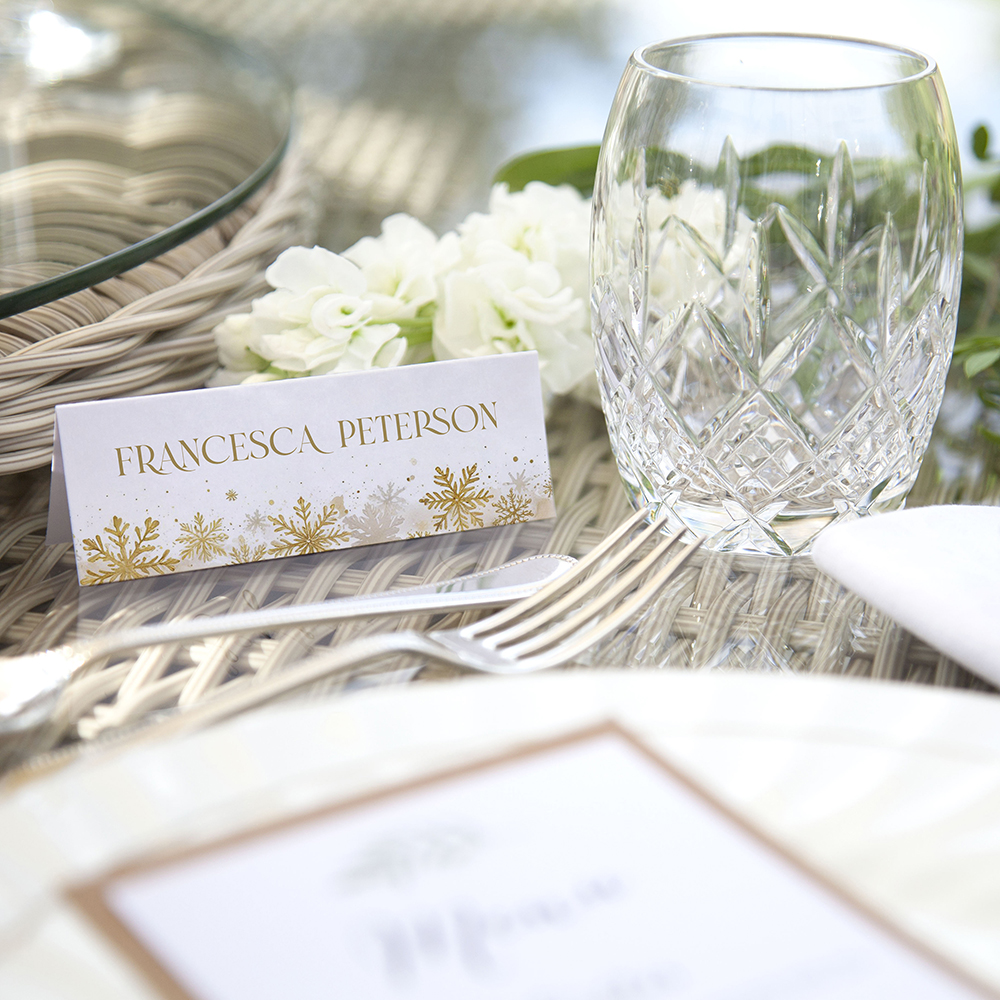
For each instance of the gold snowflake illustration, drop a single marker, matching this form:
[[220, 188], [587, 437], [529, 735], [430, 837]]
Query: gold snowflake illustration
[[460, 504], [304, 533], [231, 494], [512, 508], [202, 540], [127, 560], [244, 552]]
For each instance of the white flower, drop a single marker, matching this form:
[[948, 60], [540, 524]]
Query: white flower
[[336, 316], [545, 223], [401, 266], [515, 279], [313, 272], [505, 302], [522, 284], [317, 320], [232, 337]]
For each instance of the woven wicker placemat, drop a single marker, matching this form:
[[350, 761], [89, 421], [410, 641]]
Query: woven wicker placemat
[[723, 612], [148, 329]]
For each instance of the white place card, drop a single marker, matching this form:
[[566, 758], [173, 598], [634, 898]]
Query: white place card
[[588, 869], [152, 485]]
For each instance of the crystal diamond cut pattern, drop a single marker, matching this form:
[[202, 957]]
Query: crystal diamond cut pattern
[[782, 357]]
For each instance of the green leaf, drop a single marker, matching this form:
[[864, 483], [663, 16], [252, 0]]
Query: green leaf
[[983, 241], [981, 267], [981, 142], [990, 395], [990, 436], [984, 339], [975, 363], [576, 166], [781, 159]]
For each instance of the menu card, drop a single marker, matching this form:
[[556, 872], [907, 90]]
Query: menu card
[[586, 869]]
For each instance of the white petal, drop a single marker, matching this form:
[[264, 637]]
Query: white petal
[[300, 269], [338, 316], [365, 345], [263, 377], [232, 338], [223, 376], [390, 354]]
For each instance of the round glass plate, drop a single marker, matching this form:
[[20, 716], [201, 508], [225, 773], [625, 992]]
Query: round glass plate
[[122, 135]]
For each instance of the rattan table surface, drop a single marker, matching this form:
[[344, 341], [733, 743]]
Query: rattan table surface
[[724, 612]]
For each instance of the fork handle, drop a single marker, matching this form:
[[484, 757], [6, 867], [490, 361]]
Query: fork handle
[[485, 589], [235, 698]]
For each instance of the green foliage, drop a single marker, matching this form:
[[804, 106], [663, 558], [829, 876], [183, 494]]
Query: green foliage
[[781, 159], [981, 143], [977, 346], [576, 166]]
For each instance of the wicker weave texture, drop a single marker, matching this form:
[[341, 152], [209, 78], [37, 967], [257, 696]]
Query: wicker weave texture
[[724, 611], [147, 330]]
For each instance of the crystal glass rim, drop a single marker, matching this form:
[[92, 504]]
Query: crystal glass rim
[[640, 60]]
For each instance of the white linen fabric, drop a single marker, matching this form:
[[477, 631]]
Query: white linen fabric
[[935, 570]]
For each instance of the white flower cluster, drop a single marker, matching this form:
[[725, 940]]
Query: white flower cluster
[[515, 279], [522, 283], [338, 312]]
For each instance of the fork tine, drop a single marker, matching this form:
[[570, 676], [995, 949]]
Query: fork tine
[[573, 596], [587, 637], [585, 613], [556, 587]]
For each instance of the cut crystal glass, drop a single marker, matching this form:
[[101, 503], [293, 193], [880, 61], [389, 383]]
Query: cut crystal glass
[[775, 281]]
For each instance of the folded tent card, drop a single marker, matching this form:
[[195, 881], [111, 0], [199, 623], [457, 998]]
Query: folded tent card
[[151, 485]]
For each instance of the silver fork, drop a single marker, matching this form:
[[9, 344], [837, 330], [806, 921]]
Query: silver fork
[[30, 683], [534, 634]]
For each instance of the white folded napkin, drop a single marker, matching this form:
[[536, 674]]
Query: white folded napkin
[[935, 570]]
